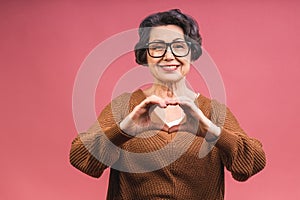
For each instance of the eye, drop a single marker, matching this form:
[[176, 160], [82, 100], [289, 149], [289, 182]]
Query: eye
[[157, 47], [179, 45]]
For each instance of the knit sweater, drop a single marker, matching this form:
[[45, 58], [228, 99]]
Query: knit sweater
[[171, 165]]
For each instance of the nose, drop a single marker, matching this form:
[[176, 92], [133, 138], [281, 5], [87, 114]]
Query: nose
[[168, 55]]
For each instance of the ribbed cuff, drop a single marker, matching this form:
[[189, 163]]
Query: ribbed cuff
[[227, 141]]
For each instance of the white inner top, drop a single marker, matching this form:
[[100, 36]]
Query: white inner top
[[175, 122], [161, 114]]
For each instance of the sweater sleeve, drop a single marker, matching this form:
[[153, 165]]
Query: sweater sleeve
[[99, 147], [242, 156]]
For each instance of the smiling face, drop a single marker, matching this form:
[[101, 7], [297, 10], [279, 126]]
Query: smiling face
[[169, 68]]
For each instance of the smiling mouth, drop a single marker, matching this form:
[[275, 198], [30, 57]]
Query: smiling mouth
[[169, 67]]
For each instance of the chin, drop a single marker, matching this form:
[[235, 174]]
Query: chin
[[170, 79]]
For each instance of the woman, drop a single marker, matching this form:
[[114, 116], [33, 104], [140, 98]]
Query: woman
[[167, 141]]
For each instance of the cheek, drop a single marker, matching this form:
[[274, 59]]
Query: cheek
[[185, 70], [186, 65], [186, 61], [149, 60], [152, 61]]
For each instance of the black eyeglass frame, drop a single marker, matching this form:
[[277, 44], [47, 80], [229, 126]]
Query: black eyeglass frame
[[168, 44]]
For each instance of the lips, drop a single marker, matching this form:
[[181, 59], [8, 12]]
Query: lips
[[169, 67]]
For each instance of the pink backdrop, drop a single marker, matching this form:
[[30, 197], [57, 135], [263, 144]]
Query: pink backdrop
[[43, 43]]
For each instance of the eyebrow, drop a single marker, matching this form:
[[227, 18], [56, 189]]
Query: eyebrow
[[176, 39]]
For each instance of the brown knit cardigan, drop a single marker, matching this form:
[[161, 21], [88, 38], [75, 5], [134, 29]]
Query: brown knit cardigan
[[183, 170]]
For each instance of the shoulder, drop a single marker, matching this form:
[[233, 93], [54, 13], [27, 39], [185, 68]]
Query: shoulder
[[205, 103], [128, 98], [125, 102]]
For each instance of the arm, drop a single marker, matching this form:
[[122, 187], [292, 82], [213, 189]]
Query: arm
[[97, 148], [242, 156]]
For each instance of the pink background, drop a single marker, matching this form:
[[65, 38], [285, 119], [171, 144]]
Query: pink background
[[43, 43]]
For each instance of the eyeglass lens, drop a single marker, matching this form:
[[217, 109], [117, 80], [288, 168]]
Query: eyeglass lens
[[178, 48]]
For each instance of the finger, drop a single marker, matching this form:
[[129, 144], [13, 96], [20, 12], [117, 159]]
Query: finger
[[181, 100], [158, 126], [174, 129], [154, 100], [172, 102]]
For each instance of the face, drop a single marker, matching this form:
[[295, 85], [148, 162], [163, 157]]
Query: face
[[168, 68]]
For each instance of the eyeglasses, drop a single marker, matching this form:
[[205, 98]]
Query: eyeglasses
[[159, 49]]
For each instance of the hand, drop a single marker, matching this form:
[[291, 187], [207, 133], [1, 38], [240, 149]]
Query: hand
[[139, 119], [197, 122]]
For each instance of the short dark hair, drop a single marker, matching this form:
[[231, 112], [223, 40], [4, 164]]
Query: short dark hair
[[172, 17]]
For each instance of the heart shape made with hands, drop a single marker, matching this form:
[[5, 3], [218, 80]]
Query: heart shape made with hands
[[155, 113], [170, 115], [173, 118]]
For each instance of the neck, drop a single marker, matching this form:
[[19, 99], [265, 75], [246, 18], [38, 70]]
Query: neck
[[170, 89]]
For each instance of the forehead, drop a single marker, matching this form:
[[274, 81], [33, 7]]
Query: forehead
[[166, 33]]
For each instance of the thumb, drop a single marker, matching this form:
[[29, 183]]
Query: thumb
[[175, 128], [184, 127], [157, 126]]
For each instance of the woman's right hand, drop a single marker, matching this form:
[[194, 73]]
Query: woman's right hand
[[139, 119]]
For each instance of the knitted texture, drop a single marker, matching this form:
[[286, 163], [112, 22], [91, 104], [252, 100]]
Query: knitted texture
[[194, 174]]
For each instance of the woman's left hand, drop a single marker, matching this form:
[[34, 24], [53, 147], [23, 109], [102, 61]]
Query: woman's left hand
[[196, 118]]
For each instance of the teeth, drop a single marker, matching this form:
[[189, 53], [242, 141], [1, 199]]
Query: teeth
[[171, 66]]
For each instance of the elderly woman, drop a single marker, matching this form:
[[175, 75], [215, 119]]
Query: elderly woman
[[167, 141]]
